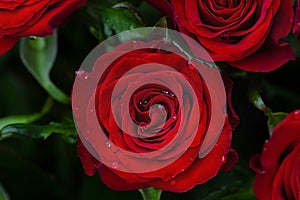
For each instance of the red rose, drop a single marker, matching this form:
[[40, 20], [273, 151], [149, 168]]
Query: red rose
[[278, 166], [20, 18], [246, 34], [296, 27], [163, 116]]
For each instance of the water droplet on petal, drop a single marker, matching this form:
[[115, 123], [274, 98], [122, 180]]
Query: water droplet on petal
[[108, 144], [182, 170], [76, 108], [32, 37], [174, 117], [266, 141], [191, 159], [96, 165], [160, 107], [91, 110], [115, 164], [134, 41], [191, 66], [86, 77], [172, 94], [145, 101], [260, 171], [223, 159], [296, 114], [79, 72], [165, 92]]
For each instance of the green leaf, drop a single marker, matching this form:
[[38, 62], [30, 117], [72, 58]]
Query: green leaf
[[3, 194], [274, 119], [150, 193], [119, 19], [26, 118], [255, 85], [295, 44], [38, 55], [66, 130]]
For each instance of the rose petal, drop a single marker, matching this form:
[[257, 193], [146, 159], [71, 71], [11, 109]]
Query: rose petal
[[6, 44], [271, 58]]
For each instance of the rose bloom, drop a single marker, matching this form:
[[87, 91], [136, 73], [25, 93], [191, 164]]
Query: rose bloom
[[278, 166], [247, 34], [145, 107], [20, 18]]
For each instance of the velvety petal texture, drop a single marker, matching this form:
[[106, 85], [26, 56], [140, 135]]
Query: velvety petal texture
[[246, 34], [20, 18], [278, 166], [145, 107]]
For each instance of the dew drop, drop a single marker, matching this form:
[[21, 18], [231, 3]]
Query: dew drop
[[115, 165], [32, 37], [134, 41], [79, 72], [145, 101], [223, 159], [174, 117], [172, 94], [191, 66], [160, 107], [225, 36], [76, 108], [91, 110], [296, 114], [108, 144], [172, 181], [96, 165], [86, 77], [182, 170], [266, 141], [165, 92], [261, 172], [191, 159]]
